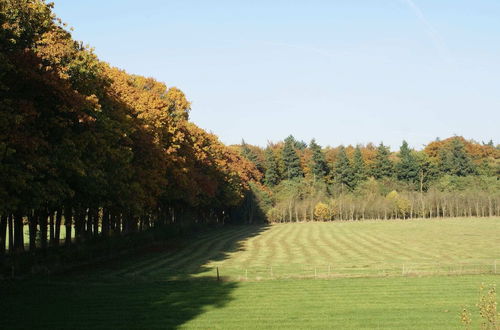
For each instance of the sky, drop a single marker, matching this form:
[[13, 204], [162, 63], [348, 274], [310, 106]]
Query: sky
[[340, 71]]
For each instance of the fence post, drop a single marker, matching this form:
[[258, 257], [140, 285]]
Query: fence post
[[246, 274], [218, 278]]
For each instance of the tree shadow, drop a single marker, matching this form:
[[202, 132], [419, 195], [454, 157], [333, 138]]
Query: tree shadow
[[161, 290]]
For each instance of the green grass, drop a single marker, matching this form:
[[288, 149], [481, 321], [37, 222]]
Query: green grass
[[353, 303], [178, 289], [363, 248]]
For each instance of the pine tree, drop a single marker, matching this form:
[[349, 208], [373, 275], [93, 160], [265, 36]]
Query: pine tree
[[407, 169], [454, 160], [382, 167], [272, 175], [343, 172], [251, 156], [358, 167], [319, 167], [291, 160]]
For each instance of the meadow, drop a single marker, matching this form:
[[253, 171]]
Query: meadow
[[179, 289]]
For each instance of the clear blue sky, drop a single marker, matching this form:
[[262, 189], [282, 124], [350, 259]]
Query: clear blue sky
[[344, 72]]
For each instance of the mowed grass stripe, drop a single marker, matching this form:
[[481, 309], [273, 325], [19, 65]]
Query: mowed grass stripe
[[189, 255], [134, 267], [295, 249], [191, 244], [202, 257]]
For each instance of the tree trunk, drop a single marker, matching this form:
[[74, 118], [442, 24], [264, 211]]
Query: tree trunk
[[105, 222], [3, 234], [51, 228], [10, 222], [32, 223], [68, 221], [57, 234], [88, 223], [18, 233], [43, 228], [96, 221]]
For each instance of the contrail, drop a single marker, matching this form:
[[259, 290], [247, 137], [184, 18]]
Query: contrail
[[436, 40]]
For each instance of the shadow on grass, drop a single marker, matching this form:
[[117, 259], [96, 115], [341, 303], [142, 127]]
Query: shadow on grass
[[153, 305], [148, 302]]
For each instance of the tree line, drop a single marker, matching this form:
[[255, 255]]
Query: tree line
[[447, 178], [90, 148]]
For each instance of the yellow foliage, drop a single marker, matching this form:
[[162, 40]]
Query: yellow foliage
[[322, 212]]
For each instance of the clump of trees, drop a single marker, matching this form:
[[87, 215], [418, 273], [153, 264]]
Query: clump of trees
[[88, 146], [448, 178]]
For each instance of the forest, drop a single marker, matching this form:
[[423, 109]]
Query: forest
[[453, 177], [91, 150]]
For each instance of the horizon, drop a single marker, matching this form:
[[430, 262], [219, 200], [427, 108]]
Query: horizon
[[363, 72]]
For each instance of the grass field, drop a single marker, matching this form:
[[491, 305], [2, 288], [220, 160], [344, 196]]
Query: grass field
[[364, 248], [177, 289]]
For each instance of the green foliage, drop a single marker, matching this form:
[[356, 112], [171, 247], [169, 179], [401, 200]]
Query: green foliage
[[382, 166], [291, 161], [319, 167], [342, 170], [407, 168], [358, 167], [271, 177], [251, 156], [454, 160]]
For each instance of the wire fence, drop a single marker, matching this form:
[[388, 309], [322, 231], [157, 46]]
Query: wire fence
[[274, 272]]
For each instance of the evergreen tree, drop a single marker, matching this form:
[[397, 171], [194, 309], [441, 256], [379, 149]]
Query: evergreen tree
[[382, 167], [298, 145], [272, 174], [407, 169], [343, 172], [319, 167], [291, 160], [454, 160], [358, 167], [251, 156]]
